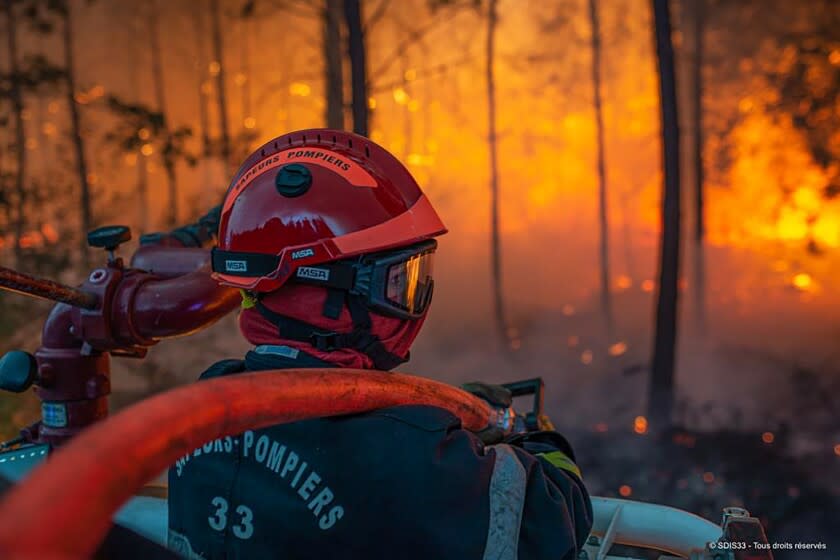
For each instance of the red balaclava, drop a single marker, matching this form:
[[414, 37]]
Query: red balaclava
[[305, 303]]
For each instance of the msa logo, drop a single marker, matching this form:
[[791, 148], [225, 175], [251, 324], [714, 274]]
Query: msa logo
[[236, 266], [303, 253], [321, 274]]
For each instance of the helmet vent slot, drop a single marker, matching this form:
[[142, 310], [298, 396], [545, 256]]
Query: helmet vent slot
[[319, 138], [367, 151], [350, 142]]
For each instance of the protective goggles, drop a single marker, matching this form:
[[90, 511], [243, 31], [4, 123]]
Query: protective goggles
[[396, 283]]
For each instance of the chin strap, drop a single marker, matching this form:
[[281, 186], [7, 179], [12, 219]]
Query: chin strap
[[361, 338]]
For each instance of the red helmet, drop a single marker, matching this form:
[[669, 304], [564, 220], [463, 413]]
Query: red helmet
[[313, 197]]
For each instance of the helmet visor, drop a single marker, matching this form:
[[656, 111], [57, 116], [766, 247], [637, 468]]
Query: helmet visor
[[408, 285]]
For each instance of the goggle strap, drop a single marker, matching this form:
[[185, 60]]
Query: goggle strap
[[235, 263], [338, 276]]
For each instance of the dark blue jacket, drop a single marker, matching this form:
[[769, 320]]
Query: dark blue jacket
[[405, 482]]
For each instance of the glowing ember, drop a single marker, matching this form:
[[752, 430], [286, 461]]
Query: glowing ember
[[249, 122], [410, 75], [31, 239], [49, 233], [400, 96], [372, 102], [586, 357], [300, 89], [214, 68], [623, 282], [837, 449], [147, 149], [640, 425], [568, 310], [802, 281], [618, 348], [768, 437], [625, 490], [601, 427], [647, 286], [708, 477], [573, 341], [144, 134]]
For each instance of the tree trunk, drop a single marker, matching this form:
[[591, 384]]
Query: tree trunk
[[492, 145], [143, 192], [699, 205], [218, 55], [166, 155], [16, 97], [661, 391], [333, 76], [606, 303], [76, 134], [358, 72], [408, 120], [203, 99], [245, 63], [697, 68]]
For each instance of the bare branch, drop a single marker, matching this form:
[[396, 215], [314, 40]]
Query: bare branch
[[377, 14]]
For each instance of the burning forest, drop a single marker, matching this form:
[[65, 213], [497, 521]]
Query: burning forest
[[642, 198]]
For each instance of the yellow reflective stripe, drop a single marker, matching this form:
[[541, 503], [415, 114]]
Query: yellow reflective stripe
[[561, 461], [248, 300]]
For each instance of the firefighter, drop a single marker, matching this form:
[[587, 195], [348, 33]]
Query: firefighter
[[331, 242]]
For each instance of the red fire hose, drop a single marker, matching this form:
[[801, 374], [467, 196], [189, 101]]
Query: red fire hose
[[63, 509]]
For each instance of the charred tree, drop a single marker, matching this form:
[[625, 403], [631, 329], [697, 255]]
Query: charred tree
[[76, 130], [697, 99], [358, 65], [333, 75], [203, 105], [245, 77], [492, 146], [218, 55], [698, 30], [661, 390], [15, 94], [160, 101], [143, 192], [603, 216]]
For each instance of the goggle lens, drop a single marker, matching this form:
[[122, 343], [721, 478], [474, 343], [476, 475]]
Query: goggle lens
[[409, 283]]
